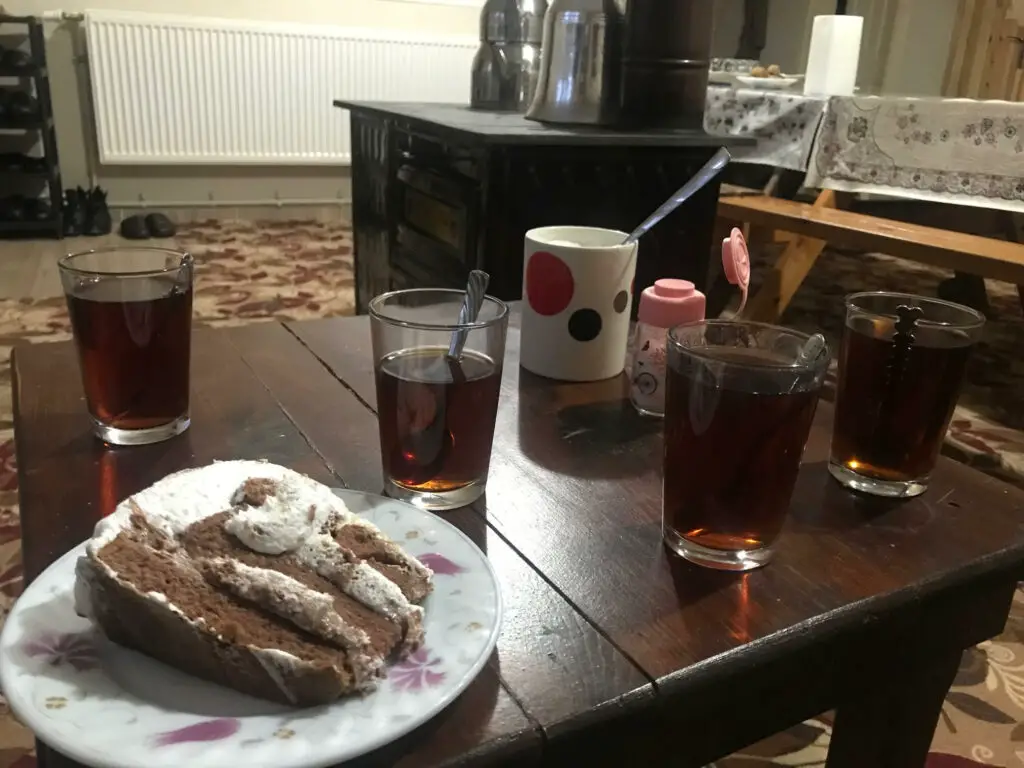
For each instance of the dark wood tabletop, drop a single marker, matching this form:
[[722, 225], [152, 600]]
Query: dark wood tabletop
[[612, 652]]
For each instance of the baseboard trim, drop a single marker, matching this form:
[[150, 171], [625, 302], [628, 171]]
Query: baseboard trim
[[335, 212]]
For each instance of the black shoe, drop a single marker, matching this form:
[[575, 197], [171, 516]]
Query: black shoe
[[21, 104], [160, 226], [134, 228], [15, 161], [12, 58], [81, 209], [97, 215], [38, 209], [74, 212], [14, 208], [11, 161]]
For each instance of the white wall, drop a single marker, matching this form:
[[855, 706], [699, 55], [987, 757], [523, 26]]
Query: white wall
[[921, 34], [905, 45], [132, 185], [788, 30]]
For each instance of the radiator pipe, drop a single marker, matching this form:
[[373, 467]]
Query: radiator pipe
[[63, 16]]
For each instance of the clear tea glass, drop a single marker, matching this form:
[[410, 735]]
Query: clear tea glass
[[739, 401], [896, 394], [131, 316], [436, 414]]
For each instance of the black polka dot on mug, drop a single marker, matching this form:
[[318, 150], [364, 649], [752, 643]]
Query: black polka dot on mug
[[584, 325]]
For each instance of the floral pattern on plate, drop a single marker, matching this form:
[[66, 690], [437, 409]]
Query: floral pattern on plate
[[110, 707]]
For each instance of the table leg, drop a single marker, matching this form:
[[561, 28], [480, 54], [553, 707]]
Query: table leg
[[891, 724], [1009, 224], [788, 273]]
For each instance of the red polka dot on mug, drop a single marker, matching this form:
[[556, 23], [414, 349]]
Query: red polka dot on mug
[[549, 283]]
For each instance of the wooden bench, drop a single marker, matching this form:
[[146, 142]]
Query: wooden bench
[[822, 223]]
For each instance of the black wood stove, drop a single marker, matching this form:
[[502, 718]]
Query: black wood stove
[[442, 189]]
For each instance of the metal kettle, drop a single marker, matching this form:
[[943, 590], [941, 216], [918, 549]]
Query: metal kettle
[[581, 59], [507, 64]]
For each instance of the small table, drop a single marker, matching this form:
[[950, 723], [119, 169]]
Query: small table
[[612, 652]]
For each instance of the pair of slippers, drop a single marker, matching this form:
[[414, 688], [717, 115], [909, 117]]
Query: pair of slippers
[[141, 227]]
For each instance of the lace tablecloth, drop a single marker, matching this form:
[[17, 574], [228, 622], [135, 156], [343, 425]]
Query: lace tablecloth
[[958, 151], [784, 123]]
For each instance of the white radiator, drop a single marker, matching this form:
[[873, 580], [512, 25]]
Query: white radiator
[[174, 90]]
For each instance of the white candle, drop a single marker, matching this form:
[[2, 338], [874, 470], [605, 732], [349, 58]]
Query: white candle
[[834, 55]]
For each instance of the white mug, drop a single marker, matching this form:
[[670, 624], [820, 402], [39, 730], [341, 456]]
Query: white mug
[[577, 293]]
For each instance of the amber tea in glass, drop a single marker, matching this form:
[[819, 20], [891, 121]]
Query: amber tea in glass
[[897, 391], [131, 316], [740, 398], [435, 413]]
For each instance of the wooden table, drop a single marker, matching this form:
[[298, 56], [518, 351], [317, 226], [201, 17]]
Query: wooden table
[[613, 652]]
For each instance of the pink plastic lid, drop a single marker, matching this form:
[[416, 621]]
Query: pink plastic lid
[[736, 263], [671, 302]]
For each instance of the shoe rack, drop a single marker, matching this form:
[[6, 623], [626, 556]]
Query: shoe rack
[[31, 199]]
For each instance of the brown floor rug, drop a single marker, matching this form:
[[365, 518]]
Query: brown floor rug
[[302, 270]]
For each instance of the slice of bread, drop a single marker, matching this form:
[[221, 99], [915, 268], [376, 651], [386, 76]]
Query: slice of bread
[[255, 577]]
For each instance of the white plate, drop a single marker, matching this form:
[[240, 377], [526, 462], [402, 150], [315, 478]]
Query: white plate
[[769, 83], [721, 78], [109, 707]]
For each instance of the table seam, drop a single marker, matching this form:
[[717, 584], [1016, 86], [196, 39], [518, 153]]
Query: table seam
[[650, 681], [284, 410]]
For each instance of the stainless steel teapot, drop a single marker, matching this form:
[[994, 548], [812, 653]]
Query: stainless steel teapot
[[581, 58]]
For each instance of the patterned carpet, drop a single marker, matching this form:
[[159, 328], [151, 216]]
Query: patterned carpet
[[301, 270], [988, 428]]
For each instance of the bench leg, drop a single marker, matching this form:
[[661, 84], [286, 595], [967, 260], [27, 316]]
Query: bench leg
[[1009, 224], [768, 304], [789, 272]]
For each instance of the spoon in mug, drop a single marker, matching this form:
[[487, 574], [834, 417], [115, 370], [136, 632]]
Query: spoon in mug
[[708, 171], [426, 441]]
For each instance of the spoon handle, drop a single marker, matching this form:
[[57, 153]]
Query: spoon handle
[[710, 169], [476, 287]]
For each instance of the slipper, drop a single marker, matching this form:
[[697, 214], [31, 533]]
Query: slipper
[[160, 226], [134, 228]]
